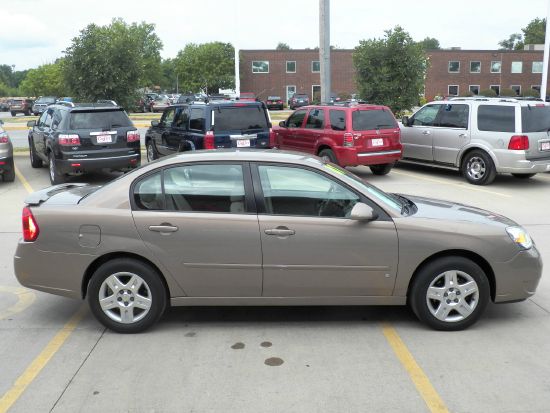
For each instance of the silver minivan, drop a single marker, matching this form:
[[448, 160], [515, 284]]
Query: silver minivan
[[480, 137]]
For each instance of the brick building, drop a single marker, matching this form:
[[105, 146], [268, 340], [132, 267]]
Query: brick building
[[451, 72]]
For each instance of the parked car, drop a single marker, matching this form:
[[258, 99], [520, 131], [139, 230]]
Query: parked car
[[160, 104], [5, 105], [41, 103], [7, 168], [211, 125], [78, 139], [274, 102], [23, 106], [267, 228], [347, 135], [298, 100], [248, 96], [480, 137]]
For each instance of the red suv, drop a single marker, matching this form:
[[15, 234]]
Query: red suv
[[348, 135]]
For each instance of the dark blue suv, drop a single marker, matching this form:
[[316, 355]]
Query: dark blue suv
[[209, 125]]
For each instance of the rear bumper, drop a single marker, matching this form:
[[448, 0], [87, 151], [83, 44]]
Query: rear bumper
[[354, 156], [515, 162], [106, 161]]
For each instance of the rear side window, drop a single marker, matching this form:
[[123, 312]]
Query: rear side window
[[99, 119], [337, 119], [240, 118], [454, 116], [148, 193], [496, 118], [196, 120], [372, 119], [535, 119], [316, 119]]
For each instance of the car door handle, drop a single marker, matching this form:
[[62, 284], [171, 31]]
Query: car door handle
[[163, 228], [426, 132], [463, 135], [280, 232]]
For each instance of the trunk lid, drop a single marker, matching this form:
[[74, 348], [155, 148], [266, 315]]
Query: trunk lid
[[64, 194]]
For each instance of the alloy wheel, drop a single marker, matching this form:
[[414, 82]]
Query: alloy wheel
[[476, 168]]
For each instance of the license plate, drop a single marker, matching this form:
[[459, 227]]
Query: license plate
[[243, 143], [545, 146], [104, 139], [378, 142]]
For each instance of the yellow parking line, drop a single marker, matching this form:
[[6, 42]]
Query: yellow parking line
[[429, 394], [25, 183], [24, 299], [462, 186], [21, 384]]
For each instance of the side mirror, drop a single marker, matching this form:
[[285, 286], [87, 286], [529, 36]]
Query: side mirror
[[406, 121], [155, 123], [282, 124], [362, 212], [31, 123]]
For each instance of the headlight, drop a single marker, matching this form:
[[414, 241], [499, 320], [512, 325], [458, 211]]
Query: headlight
[[520, 237]]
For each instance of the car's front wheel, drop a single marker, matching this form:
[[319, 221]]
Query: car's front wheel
[[449, 293], [152, 153], [56, 177], [478, 168], [383, 169], [126, 295]]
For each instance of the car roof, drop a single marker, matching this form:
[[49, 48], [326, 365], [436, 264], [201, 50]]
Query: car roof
[[220, 102], [360, 106], [236, 155]]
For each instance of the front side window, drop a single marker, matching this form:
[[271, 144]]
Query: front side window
[[301, 192], [42, 120], [168, 117], [454, 66], [452, 90], [316, 119], [296, 119], [337, 119], [426, 116], [196, 119], [291, 66], [496, 66], [475, 67], [536, 67], [260, 66], [454, 116], [315, 66], [517, 67], [496, 118], [205, 188]]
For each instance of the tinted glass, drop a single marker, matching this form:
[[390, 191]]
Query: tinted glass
[[296, 119], [372, 119], [99, 119], [496, 118], [337, 119], [316, 119], [454, 116], [535, 119], [168, 117], [46, 99], [241, 118], [196, 120], [205, 188], [148, 193], [181, 118], [274, 98], [426, 116], [295, 191]]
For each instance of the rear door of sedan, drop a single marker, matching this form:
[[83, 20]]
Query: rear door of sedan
[[311, 248]]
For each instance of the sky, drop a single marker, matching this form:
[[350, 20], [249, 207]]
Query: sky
[[36, 32]]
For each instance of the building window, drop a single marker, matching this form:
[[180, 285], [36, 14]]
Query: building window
[[260, 66], [496, 88], [474, 89], [496, 66], [517, 67], [517, 89], [454, 66], [316, 93], [315, 66], [291, 66], [537, 67], [475, 67], [452, 90]]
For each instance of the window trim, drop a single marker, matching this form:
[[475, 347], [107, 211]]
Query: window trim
[[449, 66], [315, 71], [295, 66], [512, 65], [491, 67], [263, 61], [533, 67], [457, 90], [475, 61]]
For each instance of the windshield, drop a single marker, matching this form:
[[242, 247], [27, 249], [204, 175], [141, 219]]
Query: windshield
[[96, 119], [535, 119], [239, 118]]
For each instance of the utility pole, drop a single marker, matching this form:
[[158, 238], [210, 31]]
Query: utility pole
[[545, 60], [324, 49], [237, 74]]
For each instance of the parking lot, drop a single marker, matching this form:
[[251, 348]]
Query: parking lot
[[56, 357]]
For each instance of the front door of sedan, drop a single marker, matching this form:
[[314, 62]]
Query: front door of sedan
[[198, 222], [293, 126], [417, 139], [451, 134], [311, 248]]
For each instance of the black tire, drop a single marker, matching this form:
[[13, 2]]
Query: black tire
[[478, 168], [383, 169], [151, 151], [13, 113], [328, 155], [9, 174], [36, 162], [523, 176], [56, 177], [27, 113], [125, 298], [454, 304]]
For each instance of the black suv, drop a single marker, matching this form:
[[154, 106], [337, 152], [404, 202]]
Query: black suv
[[83, 137], [210, 125]]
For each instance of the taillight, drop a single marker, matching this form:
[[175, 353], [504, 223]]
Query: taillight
[[69, 140], [30, 227], [4, 138], [348, 139], [519, 143], [208, 142], [132, 136], [272, 139]]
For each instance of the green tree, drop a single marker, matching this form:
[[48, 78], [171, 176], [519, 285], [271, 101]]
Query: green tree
[[113, 61], [44, 80], [390, 71], [535, 31], [282, 46], [169, 80], [430, 43], [208, 67], [514, 42]]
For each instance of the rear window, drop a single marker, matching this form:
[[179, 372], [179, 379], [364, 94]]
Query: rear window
[[496, 118], [274, 98], [238, 118], [372, 119], [46, 100], [535, 118], [99, 119], [16, 102]]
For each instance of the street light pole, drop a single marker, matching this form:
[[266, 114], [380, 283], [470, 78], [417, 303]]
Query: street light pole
[[324, 49]]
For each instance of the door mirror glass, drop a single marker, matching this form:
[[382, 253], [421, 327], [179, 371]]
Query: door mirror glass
[[154, 123], [30, 123], [282, 124], [405, 121], [362, 212]]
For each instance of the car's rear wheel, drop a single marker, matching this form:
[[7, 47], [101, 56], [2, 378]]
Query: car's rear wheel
[[36, 162], [383, 169], [56, 177], [9, 173], [13, 113], [523, 176], [328, 156], [449, 293], [478, 168], [126, 295], [152, 153]]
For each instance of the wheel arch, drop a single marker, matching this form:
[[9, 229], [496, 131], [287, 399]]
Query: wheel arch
[[469, 149]]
